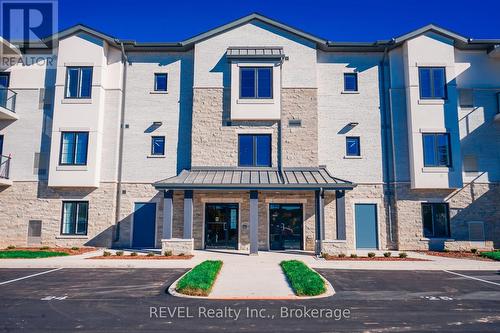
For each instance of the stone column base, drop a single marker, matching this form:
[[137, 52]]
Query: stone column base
[[452, 245], [334, 247], [177, 246]]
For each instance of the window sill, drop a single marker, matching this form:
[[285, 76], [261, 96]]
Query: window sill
[[436, 169], [76, 101], [431, 101], [437, 239], [71, 168], [72, 237], [158, 92], [255, 101], [156, 156], [348, 157], [349, 92]]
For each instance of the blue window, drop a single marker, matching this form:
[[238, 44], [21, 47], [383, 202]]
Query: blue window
[[75, 217], [352, 146], [254, 150], [161, 81], [74, 147], [79, 82], [158, 145], [436, 149], [436, 220], [256, 82], [432, 82], [350, 81]]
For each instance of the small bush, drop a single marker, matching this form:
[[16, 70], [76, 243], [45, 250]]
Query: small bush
[[134, 254], [106, 253], [341, 255], [44, 248], [181, 254], [119, 253], [168, 253], [403, 255], [11, 247], [324, 255], [150, 254], [387, 254], [371, 254], [354, 255], [75, 248], [473, 251]]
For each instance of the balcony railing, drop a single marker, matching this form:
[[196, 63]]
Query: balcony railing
[[4, 166], [8, 99]]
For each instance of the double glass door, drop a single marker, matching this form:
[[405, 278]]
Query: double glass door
[[221, 225]]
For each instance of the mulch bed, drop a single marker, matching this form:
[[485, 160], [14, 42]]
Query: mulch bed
[[374, 259], [67, 250], [143, 257], [457, 255]]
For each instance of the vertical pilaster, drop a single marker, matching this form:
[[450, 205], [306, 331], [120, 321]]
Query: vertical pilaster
[[254, 222], [188, 214], [340, 208], [168, 196]]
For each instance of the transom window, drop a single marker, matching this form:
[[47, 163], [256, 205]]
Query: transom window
[[74, 147], [350, 81], [254, 150], [436, 220], [75, 217], [79, 82], [436, 149], [256, 82], [161, 81], [158, 145], [352, 146], [432, 82]]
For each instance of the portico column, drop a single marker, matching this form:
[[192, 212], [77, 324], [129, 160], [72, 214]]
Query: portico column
[[254, 222], [340, 208], [168, 196], [188, 214], [320, 221]]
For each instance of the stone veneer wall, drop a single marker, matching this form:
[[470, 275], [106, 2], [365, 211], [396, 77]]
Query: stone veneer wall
[[473, 202], [25, 201]]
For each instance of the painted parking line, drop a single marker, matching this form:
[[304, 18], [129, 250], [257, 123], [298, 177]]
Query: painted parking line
[[473, 278], [29, 276]]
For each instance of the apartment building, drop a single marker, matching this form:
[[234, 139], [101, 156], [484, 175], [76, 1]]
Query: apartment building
[[252, 136]]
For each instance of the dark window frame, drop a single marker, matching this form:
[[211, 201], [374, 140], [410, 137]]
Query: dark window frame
[[152, 145], [254, 150], [78, 203], [358, 139], [256, 83], [74, 148], [6, 74], [432, 205], [355, 75], [79, 85], [156, 75], [445, 87], [436, 154]]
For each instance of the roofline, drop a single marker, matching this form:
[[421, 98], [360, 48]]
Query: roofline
[[268, 187]]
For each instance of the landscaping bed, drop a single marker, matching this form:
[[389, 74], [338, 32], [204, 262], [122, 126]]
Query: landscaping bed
[[493, 255], [144, 257], [402, 256], [458, 254], [200, 280], [42, 252], [304, 281]]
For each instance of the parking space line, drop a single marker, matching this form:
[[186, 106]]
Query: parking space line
[[29, 276], [471, 277]]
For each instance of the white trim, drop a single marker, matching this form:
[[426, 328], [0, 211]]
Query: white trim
[[350, 92], [436, 169], [80, 64], [236, 200], [352, 157], [72, 168], [433, 130], [255, 101], [254, 131], [378, 205], [74, 129], [432, 64], [270, 201], [76, 101]]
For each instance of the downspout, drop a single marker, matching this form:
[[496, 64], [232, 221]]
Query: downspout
[[120, 146], [280, 123]]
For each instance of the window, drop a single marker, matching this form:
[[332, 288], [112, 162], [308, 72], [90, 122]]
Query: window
[[79, 82], [4, 80], [432, 82], [161, 81], [254, 150], [4, 85], [75, 217], [256, 82], [350, 81], [158, 145], [352, 147], [436, 149], [74, 147], [436, 220]]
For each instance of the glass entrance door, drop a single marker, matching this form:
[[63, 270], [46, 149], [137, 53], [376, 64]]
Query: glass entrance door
[[286, 226], [221, 225]]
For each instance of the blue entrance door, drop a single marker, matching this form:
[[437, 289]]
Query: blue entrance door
[[144, 225], [366, 226]]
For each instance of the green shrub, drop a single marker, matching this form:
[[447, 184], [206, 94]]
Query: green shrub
[[403, 255], [324, 255], [75, 248], [106, 253], [11, 247], [304, 281], [495, 255], [341, 255], [45, 248], [473, 251], [387, 254], [134, 254], [150, 254], [168, 253], [181, 254], [354, 255], [371, 254], [199, 280], [119, 253]]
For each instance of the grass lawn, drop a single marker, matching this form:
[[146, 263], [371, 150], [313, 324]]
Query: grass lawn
[[199, 281], [304, 281], [16, 254], [492, 255]]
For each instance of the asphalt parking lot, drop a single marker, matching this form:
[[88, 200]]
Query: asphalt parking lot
[[130, 300]]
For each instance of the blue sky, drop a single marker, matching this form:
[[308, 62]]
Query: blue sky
[[172, 21]]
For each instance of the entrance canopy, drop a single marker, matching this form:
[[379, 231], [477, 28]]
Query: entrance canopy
[[212, 178]]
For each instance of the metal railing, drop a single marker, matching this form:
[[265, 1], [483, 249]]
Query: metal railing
[[8, 99], [4, 166]]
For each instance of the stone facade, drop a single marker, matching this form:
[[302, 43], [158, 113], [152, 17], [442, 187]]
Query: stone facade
[[177, 246]]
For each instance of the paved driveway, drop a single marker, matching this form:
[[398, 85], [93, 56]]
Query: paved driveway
[[131, 300]]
